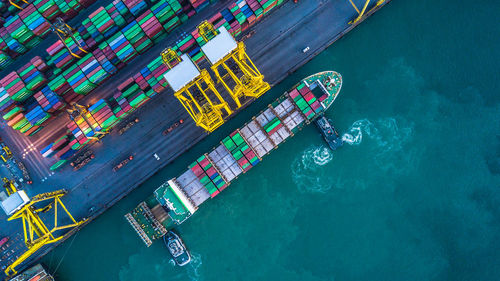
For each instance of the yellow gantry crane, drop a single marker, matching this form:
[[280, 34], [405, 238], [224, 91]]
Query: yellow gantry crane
[[36, 232], [64, 32], [195, 90], [362, 12], [80, 114], [231, 64], [9, 186], [5, 153]]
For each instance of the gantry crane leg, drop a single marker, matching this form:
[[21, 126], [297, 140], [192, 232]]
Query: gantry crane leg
[[208, 80], [251, 82], [363, 11], [36, 232], [207, 113]]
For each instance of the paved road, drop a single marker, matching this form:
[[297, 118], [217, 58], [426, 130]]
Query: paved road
[[276, 49]]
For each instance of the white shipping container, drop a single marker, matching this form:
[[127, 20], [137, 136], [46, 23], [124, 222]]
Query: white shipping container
[[253, 127], [269, 114], [283, 133], [259, 149], [260, 136], [276, 138], [236, 169], [261, 118], [267, 145]]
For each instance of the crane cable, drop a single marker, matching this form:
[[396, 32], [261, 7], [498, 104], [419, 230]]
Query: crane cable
[[66, 252]]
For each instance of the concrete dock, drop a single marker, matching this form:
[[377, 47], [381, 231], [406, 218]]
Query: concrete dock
[[276, 49]]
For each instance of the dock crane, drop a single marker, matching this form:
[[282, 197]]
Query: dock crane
[[80, 114], [5, 153], [66, 32], [36, 233], [193, 88], [362, 12], [9, 186], [231, 64]]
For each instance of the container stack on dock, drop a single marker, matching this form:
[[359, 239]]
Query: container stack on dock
[[60, 86], [240, 151], [16, 88], [24, 29], [5, 100], [125, 29], [122, 107], [133, 93], [102, 115], [62, 53], [20, 107], [113, 36], [49, 100]]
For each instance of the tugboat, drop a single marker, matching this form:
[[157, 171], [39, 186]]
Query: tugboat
[[177, 248], [329, 133]]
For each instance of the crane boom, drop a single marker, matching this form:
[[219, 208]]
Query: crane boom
[[36, 233]]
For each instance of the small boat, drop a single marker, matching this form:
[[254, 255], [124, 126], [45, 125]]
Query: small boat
[[177, 248], [329, 134]]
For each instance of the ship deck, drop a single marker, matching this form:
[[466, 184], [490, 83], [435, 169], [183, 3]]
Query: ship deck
[[334, 90], [209, 175], [276, 49]]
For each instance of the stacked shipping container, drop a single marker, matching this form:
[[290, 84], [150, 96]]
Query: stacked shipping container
[[262, 134], [119, 47], [24, 29], [245, 147], [208, 175]]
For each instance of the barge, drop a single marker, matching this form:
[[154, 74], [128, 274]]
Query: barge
[[179, 198]]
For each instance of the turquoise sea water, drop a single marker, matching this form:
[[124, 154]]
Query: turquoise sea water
[[415, 196]]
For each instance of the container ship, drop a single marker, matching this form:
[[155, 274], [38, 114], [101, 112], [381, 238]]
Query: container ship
[[179, 198]]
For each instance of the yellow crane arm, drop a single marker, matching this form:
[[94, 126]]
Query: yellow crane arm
[[11, 269], [36, 233], [9, 186], [355, 8], [362, 13]]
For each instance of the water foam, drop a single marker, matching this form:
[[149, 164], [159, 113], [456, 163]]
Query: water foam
[[193, 270], [309, 171], [354, 135], [385, 140]]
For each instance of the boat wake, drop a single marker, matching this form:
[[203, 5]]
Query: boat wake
[[309, 170], [386, 139], [193, 269], [354, 136], [320, 156]]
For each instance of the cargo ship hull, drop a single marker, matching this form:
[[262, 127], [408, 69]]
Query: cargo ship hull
[[179, 198]]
